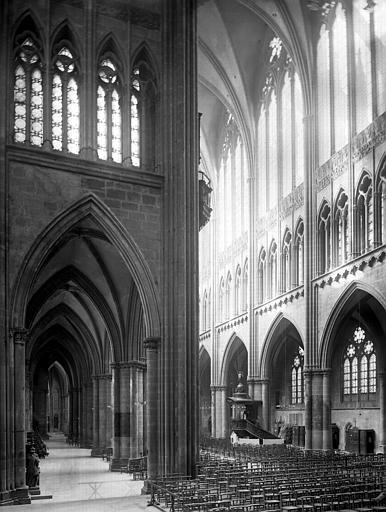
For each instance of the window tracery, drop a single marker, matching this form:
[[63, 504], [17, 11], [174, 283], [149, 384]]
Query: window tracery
[[324, 236], [341, 229], [359, 367], [297, 379], [109, 121], [365, 214], [28, 91], [65, 115], [286, 261], [299, 253]]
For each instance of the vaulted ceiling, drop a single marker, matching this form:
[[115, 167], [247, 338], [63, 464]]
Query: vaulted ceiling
[[233, 37]]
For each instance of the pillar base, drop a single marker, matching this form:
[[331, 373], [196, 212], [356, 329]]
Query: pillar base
[[20, 496], [5, 498], [34, 491], [118, 464], [96, 452], [146, 489]]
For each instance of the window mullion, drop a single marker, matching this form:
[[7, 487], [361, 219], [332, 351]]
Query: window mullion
[[109, 121], [65, 114], [28, 104]]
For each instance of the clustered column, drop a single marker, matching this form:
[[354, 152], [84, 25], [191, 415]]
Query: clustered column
[[219, 425], [20, 492], [152, 346], [102, 412], [128, 441]]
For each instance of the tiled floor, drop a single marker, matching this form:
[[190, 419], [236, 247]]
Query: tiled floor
[[80, 483]]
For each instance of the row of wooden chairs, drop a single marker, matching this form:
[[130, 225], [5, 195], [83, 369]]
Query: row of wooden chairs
[[285, 484]]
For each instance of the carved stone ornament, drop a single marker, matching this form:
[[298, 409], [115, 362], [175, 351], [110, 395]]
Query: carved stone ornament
[[152, 343], [19, 335]]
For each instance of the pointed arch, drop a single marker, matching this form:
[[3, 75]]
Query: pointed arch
[[356, 291], [299, 252], [110, 45], [111, 104], [90, 351], [286, 260], [144, 116], [234, 344], [278, 326], [66, 32], [66, 62], [380, 202], [324, 237], [60, 280], [143, 53], [28, 82], [90, 206], [340, 219], [364, 225], [28, 22], [262, 276]]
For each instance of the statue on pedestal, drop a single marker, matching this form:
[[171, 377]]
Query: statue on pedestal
[[33, 470]]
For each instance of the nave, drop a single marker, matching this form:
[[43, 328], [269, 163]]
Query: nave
[[79, 482], [275, 479]]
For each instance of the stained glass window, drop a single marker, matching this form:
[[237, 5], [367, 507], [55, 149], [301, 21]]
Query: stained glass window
[[65, 103], [324, 117], [101, 124], [135, 120], [109, 130], [359, 367], [339, 34], [297, 386], [341, 229], [28, 94]]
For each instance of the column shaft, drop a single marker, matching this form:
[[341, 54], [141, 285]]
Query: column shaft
[[266, 403], [95, 419], [116, 407], [152, 412], [382, 412], [327, 433], [102, 412], [308, 409]]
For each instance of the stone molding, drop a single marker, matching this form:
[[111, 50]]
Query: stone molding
[[218, 388], [152, 343], [19, 335], [361, 144], [141, 365]]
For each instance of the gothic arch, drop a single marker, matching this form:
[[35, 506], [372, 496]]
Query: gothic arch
[[88, 347], [28, 21], [280, 324], [381, 168], [110, 46], [350, 296], [234, 344], [144, 54], [89, 206], [65, 31]]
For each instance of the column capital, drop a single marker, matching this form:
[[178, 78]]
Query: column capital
[[152, 343], [134, 363], [218, 388], [19, 335], [311, 372], [102, 376]]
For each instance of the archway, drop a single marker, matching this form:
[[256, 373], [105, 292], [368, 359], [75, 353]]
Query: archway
[[205, 394], [235, 363], [355, 353], [86, 301], [283, 360]]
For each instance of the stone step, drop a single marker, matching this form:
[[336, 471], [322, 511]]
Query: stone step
[[41, 497]]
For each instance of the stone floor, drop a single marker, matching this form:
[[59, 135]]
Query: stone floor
[[80, 483]]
